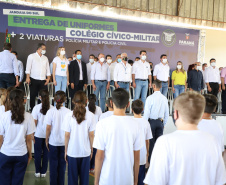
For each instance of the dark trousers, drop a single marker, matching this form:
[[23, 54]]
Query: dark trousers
[[157, 131], [40, 148], [92, 161], [35, 87], [78, 87], [141, 175], [78, 168], [215, 88], [223, 101], [57, 165], [7, 80], [12, 169]]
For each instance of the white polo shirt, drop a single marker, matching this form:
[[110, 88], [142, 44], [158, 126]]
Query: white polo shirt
[[141, 70], [161, 72], [55, 118], [212, 75], [122, 72], [14, 143], [99, 72], [61, 66]]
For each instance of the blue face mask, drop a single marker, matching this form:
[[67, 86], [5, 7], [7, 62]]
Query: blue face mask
[[79, 57], [119, 60]]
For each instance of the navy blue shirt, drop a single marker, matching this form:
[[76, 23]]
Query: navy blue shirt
[[195, 80]]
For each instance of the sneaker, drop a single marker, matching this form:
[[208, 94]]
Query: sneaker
[[43, 175], [37, 174]]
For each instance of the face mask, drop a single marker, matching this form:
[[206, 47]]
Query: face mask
[[178, 66], [43, 52], [143, 57], [125, 59], [79, 57], [109, 61], [62, 52], [199, 68], [119, 60], [164, 60], [91, 60], [74, 58], [101, 59], [213, 64]]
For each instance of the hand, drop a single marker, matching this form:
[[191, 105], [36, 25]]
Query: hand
[[65, 157], [209, 89], [134, 85], [47, 144], [72, 85], [108, 86], [173, 90], [150, 85], [68, 83], [94, 87], [223, 87], [17, 84], [28, 80], [85, 86], [117, 86], [29, 159], [47, 81], [91, 155], [185, 89], [54, 82], [219, 89]]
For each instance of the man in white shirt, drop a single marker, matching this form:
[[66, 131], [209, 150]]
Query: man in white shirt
[[140, 74], [187, 156], [161, 72], [156, 111], [118, 143], [212, 78], [123, 73], [100, 77], [111, 68], [37, 72], [89, 66], [8, 68]]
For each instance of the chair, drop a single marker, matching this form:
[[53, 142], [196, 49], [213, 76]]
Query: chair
[[170, 99], [50, 87], [219, 107], [27, 93]]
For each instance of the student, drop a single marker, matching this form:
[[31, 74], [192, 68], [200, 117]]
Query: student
[[55, 139], [118, 144], [38, 113], [109, 105], [188, 155], [137, 109], [79, 126], [3, 95], [207, 124], [16, 130]]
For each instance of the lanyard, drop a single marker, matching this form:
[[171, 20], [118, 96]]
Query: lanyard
[[124, 67]]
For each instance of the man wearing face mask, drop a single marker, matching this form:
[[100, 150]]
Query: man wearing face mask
[[212, 78], [111, 65], [89, 67], [100, 77], [195, 78], [140, 74], [161, 72], [123, 73], [117, 59], [77, 74], [37, 72]]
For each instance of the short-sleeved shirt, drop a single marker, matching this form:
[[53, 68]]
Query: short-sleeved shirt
[[223, 74], [55, 118], [161, 72], [118, 137], [179, 78], [79, 143], [106, 114], [141, 70], [61, 66], [41, 126], [146, 134], [14, 143], [97, 114]]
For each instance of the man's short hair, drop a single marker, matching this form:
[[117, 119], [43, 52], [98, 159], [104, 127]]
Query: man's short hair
[[212, 59], [143, 51], [130, 61], [77, 51], [157, 83], [163, 55], [204, 64], [118, 55], [108, 56], [14, 52], [92, 55], [137, 106], [108, 102], [137, 58], [120, 98], [211, 103], [7, 46], [190, 106], [40, 45], [100, 54], [70, 58]]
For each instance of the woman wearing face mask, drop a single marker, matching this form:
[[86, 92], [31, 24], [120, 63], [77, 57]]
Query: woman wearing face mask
[[60, 70], [179, 78]]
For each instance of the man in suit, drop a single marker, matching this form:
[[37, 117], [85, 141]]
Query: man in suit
[[77, 74]]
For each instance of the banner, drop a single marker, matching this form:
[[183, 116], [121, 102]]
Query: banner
[[29, 26]]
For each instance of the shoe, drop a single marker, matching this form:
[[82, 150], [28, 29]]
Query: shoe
[[37, 174], [43, 175]]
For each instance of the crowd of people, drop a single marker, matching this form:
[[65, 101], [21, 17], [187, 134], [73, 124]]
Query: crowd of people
[[117, 148]]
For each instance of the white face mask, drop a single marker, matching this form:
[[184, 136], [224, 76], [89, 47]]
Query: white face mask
[[74, 58], [179, 66], [43, 52], [143, 57], [199, 68], [109, 61], [101, 59], [164, 60], [213, 64], [91, 60], [62, 52]]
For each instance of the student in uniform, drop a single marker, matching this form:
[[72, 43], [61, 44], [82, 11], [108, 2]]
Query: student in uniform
[[79, 126], [110, 112], [118, 143], [16, 130], [137, 109], [207, 124], [188, 155], [38, 113], [3, 95], [55, 139]]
